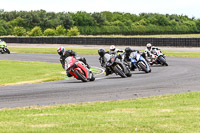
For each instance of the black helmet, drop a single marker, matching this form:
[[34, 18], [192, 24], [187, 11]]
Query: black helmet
[[61, 51], [101, 52], [128, 50]]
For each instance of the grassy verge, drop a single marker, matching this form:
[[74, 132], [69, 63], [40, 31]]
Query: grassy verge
[[84, 51], [182, 53], [170, 113], [22, 72]]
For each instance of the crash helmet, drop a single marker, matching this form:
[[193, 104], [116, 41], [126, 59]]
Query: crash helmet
[[112, 48], [101, 52], [61, 51], [128, 50], [148, 46]]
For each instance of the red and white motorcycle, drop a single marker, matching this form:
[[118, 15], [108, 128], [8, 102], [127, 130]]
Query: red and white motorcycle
[[158, 57], [78, 69]]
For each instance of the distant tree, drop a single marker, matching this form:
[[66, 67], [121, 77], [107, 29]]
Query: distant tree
[[66, 19], [99, 17], [5, 28], [198, 24], [60, 30], [36, 31], [19, 31], [49, 32], [73, 31], [17, 22], [83, 19]]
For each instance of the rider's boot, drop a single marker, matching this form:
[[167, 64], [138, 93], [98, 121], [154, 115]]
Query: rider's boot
[[107, 72], [68, 74]]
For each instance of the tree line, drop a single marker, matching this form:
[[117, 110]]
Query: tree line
[[42, 23]]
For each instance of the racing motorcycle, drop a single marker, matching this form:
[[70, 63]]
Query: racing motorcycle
[[78, 69], [137, 61], [3, 48], [115, 65], [158, 57]]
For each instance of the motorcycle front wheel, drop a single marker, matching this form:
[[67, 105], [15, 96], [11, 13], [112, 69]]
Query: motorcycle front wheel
[[163, 61], [119, 71], [92, 77], [80, 76], [7, 50], [142, 66]]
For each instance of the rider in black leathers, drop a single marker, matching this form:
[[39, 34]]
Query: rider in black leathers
[[64, 54], [128, 51], [101, 53]]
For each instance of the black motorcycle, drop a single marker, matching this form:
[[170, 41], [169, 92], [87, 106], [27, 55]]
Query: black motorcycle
[[115, 65]]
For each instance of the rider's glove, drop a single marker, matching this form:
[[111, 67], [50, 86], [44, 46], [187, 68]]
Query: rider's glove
[[119, 56]]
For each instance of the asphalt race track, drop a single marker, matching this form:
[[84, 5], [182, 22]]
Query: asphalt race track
[[182, 75]]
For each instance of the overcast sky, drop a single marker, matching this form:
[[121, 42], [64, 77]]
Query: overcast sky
[[181, 7]]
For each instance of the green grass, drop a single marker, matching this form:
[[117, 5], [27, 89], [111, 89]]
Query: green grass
[[20, 72], [84, 51], [80, 51], [182, 53], [170, 113]]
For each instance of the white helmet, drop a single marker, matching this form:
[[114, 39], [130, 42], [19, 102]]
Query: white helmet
[[112, 48], [149, 46]]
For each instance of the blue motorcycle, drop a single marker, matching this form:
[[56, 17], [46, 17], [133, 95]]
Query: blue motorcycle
[[137, 61]]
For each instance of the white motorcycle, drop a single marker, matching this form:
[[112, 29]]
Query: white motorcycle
[[158, 57]]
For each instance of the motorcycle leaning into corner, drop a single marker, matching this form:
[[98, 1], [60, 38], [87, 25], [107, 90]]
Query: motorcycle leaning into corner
[[3, 48], [115, 65], [78, 69], [158, 57], [137, 61]]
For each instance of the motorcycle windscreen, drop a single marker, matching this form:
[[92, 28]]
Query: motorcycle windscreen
[[69, 61], [107, 57], [133, 55]]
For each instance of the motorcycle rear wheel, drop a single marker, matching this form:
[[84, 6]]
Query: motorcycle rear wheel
[[119, 71], [80, 76]]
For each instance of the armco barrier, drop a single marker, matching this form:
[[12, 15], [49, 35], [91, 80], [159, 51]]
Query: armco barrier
[[137, 41]]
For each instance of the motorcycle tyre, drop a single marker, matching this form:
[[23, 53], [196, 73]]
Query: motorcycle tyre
[[128, 74], [119, 71], [163, 61], [7, 51], [80, 76], [92, 77], [143, 67]]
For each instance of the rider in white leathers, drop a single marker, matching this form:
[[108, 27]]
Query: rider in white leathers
[[149, 53]]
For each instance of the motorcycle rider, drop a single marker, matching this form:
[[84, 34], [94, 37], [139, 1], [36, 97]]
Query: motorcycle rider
[[101, 53], [114, 49], [128, 51], [149, 51], [64, 54]]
